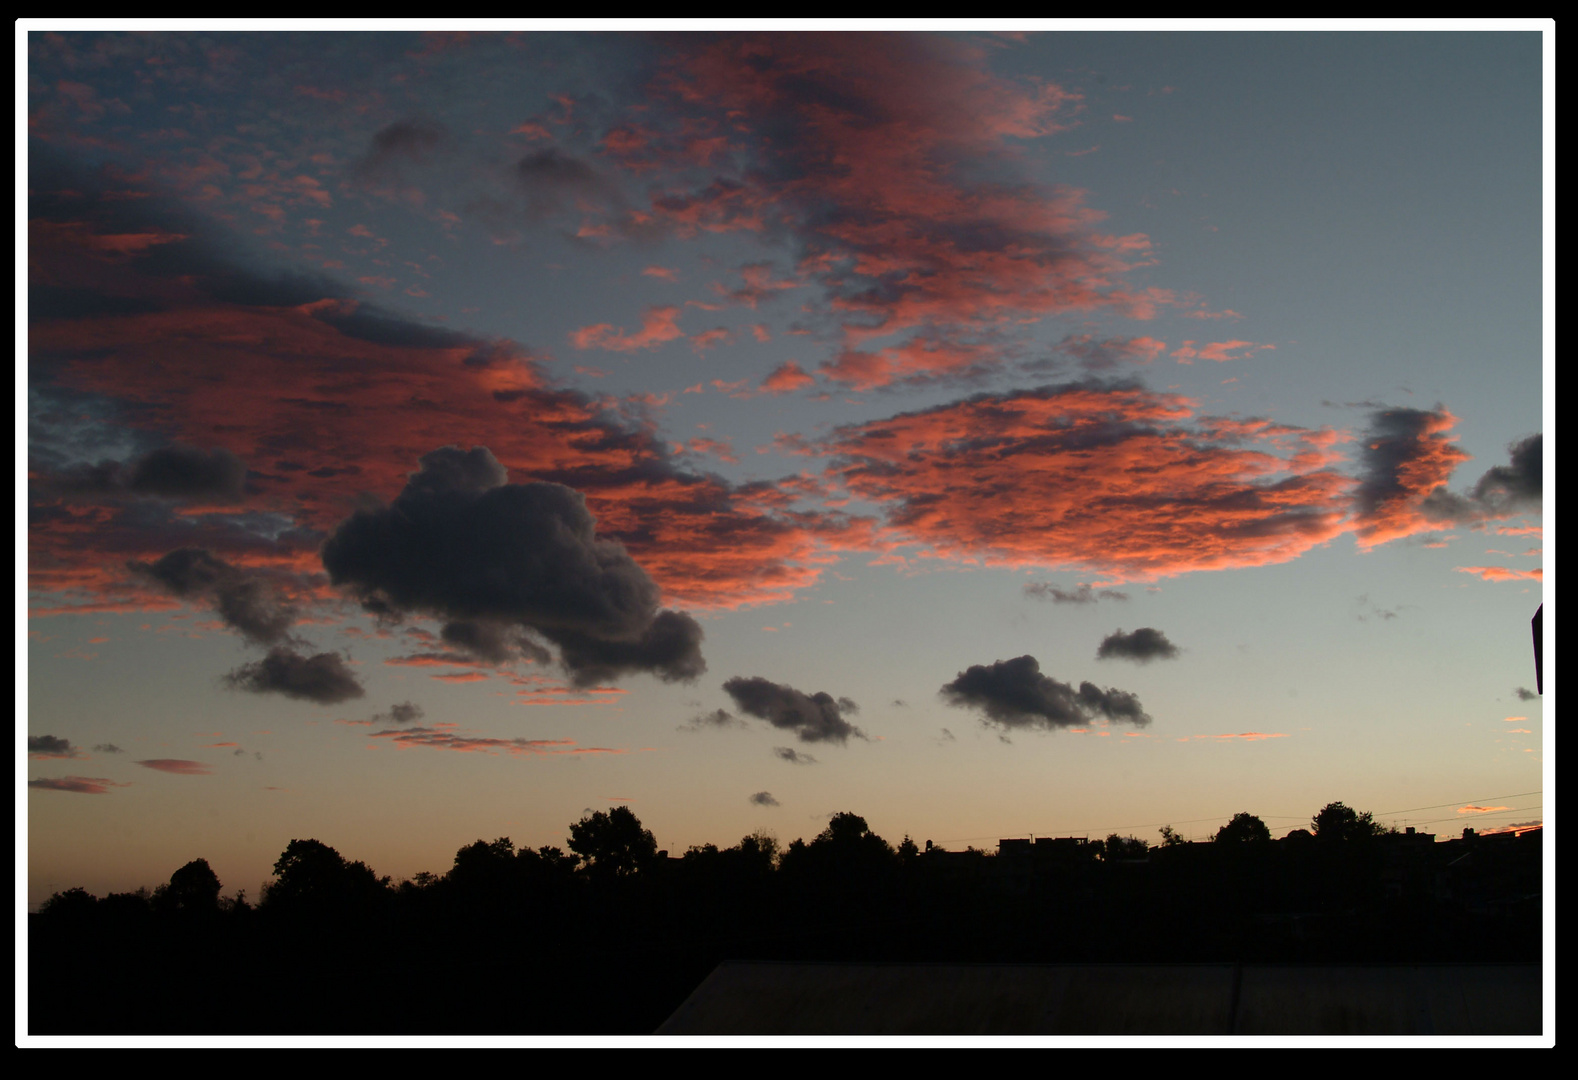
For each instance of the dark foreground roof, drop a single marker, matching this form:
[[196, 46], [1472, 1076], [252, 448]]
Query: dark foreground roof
[[1098, 999]]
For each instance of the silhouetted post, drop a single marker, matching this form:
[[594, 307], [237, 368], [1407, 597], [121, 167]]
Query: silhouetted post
[[1539, 644]]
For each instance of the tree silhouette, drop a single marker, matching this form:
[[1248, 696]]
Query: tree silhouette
[[1124, 847], [614, 844], [1244, 828], [192, 889], [311, 877], [1338, 822]]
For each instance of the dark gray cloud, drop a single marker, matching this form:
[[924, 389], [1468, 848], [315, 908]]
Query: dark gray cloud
[[1395, 439], [793, 756], [1083, 594], [108, 748], [1401, 440], [1096, 355], [552, 180], [244, 599], [49, 746], [1518, 484], [403, 713], [463, 543], [717, 718], [81, 785], [764, 798], [1525, 694], [1014, 694], [185, 473], [404, 142], [323, 678], [815, 717], [188, 472], [493, 642], [1145, 644]]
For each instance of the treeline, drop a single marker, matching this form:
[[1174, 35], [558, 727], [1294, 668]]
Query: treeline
[[612, 934]]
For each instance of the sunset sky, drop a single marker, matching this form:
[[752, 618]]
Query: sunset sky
[[435, 436]]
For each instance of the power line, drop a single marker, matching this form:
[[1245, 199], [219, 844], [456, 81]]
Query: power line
[[1487, 798]]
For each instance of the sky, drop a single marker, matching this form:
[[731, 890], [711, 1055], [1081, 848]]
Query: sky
[[436, 436]]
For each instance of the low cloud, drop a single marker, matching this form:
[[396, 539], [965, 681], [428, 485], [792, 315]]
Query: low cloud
[[446, 737], [493, 642], [463, 543], [180, 472], [815, 717], [403, 713], [793, 756], [1143, 645], [81, 785], [323, 678], [1015, 695], [1525, 694], [179, 766], [49, 746], [764, 798], [1408, 460], [1084, 594], [404, 142], [243, 599], [108, 748], [1096, 355], [1518, 484], [717, 718]]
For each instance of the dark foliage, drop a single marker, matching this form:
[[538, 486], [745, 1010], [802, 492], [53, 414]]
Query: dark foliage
[[613, 935]]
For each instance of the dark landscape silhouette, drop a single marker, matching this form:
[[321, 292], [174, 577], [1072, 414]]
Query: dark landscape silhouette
[[612, 935]]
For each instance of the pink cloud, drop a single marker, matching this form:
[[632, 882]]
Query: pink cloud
[[1117, 480], [1502, 573], [1220, 351], [176, 765], [435, 738], [785, 378], [81, 785], [722, 449], [1252, 736], [924, 228], [657, 327], [709, 338]]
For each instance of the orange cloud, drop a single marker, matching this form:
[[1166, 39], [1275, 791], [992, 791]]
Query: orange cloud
[[896, 238], [785, 378], [1408, 457], [328, 401], [1252, 736], [1220, 351], [1502, 573], [657, 327], [1117, 479], [1471, 809]]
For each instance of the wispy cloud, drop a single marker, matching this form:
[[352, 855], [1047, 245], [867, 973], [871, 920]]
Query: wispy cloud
[[81, 785], [179, 766]]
